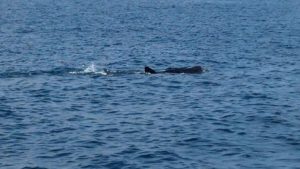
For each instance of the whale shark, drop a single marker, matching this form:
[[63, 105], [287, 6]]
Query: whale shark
[[190, 70]]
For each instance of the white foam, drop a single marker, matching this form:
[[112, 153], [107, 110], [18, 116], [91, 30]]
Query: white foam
[[102, 73]]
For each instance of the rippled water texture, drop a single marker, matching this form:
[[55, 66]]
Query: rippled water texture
[[73, 93]]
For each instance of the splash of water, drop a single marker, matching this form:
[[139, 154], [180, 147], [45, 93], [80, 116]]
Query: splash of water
[[91, 69]]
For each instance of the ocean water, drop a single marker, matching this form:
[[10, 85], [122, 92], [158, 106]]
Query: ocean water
[[73, 94]]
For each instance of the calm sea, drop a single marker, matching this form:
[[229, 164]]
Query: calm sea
[[59, 108]]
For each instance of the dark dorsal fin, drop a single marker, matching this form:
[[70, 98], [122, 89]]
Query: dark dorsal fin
[[149, 70]]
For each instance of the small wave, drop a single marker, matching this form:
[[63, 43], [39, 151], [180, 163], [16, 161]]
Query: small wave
[[34, 168], [29, 73]]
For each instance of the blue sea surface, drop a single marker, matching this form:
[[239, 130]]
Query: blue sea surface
[[73, 94]]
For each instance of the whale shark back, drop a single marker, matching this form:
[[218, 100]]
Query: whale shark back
[[190, 70], [195, 69]]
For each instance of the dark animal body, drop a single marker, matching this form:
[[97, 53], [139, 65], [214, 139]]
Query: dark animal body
[[191, 70]]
